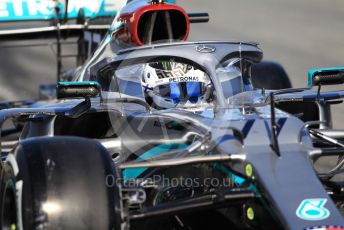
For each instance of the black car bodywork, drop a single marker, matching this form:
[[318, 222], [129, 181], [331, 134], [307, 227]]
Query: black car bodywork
[[263, 154]]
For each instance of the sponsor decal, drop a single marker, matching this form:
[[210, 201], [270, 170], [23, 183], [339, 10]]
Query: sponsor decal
[[189, 78], [313, 210], [176, 70], [184, 79], [250, 214], [249, 170], [161, 73], [11, 10], [326, 228], [205, 49]]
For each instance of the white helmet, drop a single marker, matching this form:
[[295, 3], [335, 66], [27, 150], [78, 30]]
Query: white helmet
[[168, 84]]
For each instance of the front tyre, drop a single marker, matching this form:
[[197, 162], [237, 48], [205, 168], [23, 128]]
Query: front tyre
[[64, 184], [8, 211]]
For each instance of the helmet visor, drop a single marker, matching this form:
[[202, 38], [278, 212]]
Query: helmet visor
[[181, 91]]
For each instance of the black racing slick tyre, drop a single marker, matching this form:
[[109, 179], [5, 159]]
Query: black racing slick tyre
[[62, 184], [269, 75], [8, 211]]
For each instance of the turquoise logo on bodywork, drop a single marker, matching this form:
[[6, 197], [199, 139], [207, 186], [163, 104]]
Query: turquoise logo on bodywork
[[156, 151], [313, 210], [14, 10], [22, 10]]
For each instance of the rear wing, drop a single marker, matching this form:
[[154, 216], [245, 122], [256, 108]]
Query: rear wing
[[48, 10], [87, 20], [27, 19], [41, 10], [51, 31]]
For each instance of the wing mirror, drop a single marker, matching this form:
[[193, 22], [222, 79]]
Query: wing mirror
[[326, 76], [83, 89]]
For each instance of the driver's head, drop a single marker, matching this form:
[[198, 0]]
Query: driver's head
[[168, 84]]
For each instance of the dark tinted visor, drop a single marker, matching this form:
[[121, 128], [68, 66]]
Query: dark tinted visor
[[183, 91]]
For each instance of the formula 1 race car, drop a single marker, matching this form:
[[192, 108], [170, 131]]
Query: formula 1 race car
[[154, 132]]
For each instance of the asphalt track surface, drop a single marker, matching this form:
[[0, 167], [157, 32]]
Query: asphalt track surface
[[299, 34]]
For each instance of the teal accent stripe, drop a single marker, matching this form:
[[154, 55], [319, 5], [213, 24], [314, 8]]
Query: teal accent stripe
[[78, 83], [25, 10], [313, 72], [156, 151]]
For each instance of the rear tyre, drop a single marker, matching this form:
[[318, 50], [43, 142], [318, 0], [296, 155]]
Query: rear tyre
[[269, 75], [64, 184]]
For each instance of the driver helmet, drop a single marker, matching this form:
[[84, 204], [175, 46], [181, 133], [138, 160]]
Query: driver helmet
[[169, 84]]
